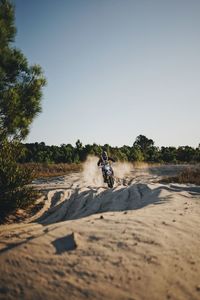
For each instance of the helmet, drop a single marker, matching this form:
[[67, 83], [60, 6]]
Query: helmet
[[104, 155]]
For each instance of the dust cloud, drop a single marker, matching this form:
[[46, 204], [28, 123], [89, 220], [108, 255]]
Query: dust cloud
[[92, 174], [122, 169]]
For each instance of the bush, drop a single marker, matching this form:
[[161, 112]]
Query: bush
[[188, 175], [15, 191]]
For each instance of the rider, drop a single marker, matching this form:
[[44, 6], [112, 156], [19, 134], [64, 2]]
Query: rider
[[103, 160]]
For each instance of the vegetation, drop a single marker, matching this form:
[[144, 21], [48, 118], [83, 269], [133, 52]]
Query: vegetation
[[143, 149], [41, 170], [188, 175], [20, 102], [14, 179]]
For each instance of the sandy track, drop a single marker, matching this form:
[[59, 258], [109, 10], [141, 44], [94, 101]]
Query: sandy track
[[140, 240]]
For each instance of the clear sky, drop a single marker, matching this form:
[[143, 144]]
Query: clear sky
[[115, 69]]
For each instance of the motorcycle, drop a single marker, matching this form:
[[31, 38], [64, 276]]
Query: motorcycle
[[108, 174]]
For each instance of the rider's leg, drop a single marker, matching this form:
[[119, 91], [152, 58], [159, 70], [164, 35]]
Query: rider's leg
[[104, 175]]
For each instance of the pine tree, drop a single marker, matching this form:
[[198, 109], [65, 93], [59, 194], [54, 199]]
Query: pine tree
[[20, 102]]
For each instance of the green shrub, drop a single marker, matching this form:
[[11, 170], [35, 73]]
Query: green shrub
[[15, 191]]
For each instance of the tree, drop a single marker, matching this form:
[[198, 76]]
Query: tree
[[153, 154], [197, 154], [20, 102], [136, 154], [185, 154], [144, 144], [79, 145], [168, 154], [20, 84]]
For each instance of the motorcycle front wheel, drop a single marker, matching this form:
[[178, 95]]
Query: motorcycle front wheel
[[110, 182]]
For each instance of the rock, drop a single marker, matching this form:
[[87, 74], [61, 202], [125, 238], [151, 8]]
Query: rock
[[198, 288], [66, 243]]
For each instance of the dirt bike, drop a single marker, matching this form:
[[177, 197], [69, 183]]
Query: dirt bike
[[108, 174]]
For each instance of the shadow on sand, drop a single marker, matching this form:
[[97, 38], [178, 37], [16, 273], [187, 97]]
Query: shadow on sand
[[98, 200]]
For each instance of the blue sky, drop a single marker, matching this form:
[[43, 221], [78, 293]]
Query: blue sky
[[115, 69]]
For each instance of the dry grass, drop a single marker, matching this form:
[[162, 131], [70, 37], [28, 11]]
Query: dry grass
[[142, 164], [190, 174], [52, 170], [42, 170]]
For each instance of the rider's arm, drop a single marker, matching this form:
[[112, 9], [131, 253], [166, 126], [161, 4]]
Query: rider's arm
[[110, 158], [99, 162]]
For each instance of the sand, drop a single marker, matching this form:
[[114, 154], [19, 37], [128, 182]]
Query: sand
[[139, 240]]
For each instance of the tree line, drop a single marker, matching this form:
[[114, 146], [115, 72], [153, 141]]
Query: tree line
[[143, 149]]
